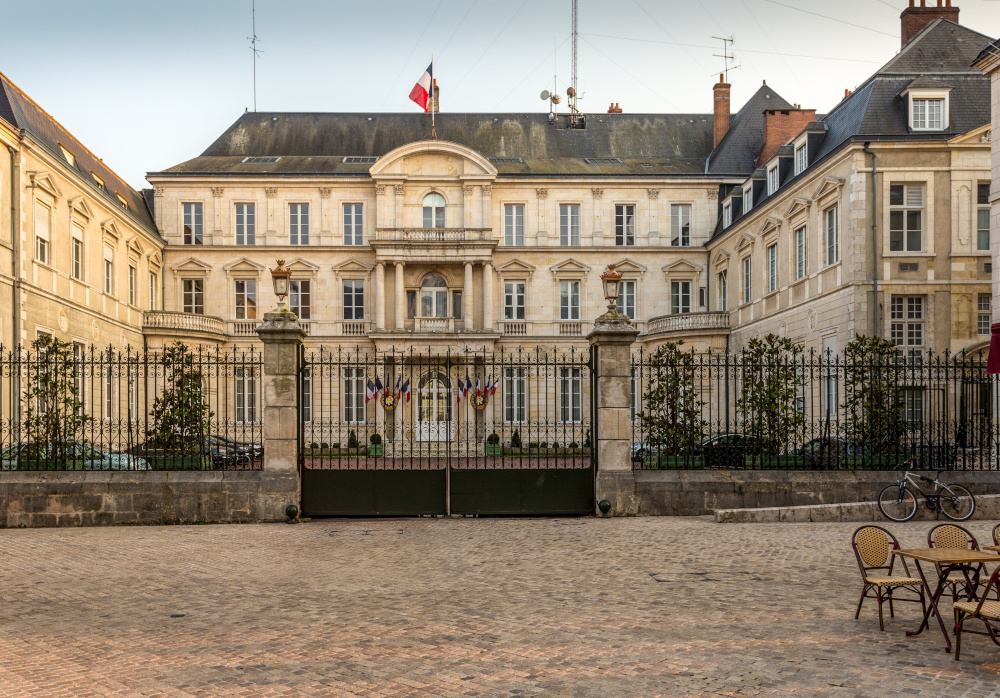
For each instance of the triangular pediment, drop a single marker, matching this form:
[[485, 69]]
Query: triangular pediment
[[828, 186], [351, 265], [746, 240], [721, 257], [629, 266], [302, 265], [681, 266], [768, 224], [797, 206], [136, 246], [516, 266], [191, 264], [155, 259], [80, 205], [244, 264], [569, 265], [111, 228], [977, 136], [44, 180]]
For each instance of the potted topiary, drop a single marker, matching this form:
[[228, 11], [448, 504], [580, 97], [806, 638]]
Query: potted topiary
[[376, 448], [493, 447]]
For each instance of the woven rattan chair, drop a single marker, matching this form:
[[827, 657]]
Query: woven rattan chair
[[996, 535], [954, 536], [873, 546], [986, 611]]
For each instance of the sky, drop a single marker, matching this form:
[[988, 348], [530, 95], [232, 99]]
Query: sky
[[147, 84]]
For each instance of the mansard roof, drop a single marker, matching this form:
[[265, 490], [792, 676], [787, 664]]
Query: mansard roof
[[738, 150]]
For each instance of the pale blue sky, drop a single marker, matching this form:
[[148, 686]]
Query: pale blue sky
[[147, 84]]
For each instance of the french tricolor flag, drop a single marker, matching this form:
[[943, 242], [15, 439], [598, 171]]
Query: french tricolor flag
[[421, 92]]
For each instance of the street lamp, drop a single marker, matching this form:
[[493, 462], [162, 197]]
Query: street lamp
[[279, 277], [612, 281]]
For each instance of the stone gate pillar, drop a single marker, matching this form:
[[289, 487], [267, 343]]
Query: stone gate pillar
[[613, 336], [282, 336]]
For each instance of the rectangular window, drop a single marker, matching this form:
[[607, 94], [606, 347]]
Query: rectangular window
[[246, 225], [570, 395], [569, 225], [680, 297], [298, 224], [907, 321], [354, 231], [76, 253], [680, 225], [727, 215], [354, 395], [747, 199], [153, 288], [626, 299], [569, 300], [306, 402], [800, 252], [772, 180], [515, 395], [832, 236], [983, 216], [300, 298], [109, 270], [747, 280], [906, 204], [43, 226], [984, 314], [456, 305], [513, 224], [246, 299], [912, 402], [133, 282], [193, 225], [801, 159], [724, 291], [246, 395], [624, 224], [194, 296], [772, 268], [354, 300], [513, 300], [411, 304], [928, 114]]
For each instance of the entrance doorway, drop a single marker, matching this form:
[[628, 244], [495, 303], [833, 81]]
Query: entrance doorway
[[434, 417]]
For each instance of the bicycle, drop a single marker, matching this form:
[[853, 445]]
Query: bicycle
[[897, 502]]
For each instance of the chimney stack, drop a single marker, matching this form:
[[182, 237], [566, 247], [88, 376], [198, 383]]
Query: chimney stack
[[914, 19], [720, 111], [614, 108], [780, 126]]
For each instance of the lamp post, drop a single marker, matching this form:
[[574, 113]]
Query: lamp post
[[279, 277], [612, 281]]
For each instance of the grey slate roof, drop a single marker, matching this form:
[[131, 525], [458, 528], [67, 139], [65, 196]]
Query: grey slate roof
[[20, 111], [737, 152]]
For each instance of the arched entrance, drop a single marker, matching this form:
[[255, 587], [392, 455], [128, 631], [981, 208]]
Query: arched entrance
[[434, 416]]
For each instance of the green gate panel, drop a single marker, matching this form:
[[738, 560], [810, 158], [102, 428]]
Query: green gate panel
[[540, 492], [373, 492]]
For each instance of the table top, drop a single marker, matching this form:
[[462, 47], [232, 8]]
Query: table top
[[991, 547], [947, 556]]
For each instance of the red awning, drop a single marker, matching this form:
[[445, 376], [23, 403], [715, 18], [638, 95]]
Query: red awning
[[993, 363]]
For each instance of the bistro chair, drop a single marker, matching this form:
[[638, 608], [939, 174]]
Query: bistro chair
[[996, 535], [986, 611], [954, 536], [873, 546]]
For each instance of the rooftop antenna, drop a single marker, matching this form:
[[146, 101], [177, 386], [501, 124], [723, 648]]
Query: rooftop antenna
[[572, 95], [726, 56], [253, 47]]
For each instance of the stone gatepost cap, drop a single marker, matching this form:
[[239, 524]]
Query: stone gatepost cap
[[281, 323], [613, 325]]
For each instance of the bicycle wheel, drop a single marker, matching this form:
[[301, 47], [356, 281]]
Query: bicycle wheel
[[897, 503], [959, 505]]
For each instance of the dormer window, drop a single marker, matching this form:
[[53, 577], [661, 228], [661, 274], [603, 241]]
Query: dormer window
[[123, 203], [928, 109], [98, 181], [772, 180], [727, 215], [70, 158], [747, 198], [801, 160]]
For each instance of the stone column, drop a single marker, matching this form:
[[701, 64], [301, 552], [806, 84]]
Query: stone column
[[282, 336], [467, 206], [397, 205], [488, 297], [380, 296], [400, 298], [613, 336], [468, 307], [486, 217]]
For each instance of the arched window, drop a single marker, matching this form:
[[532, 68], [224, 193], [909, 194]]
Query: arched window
[[433, 296], [434, 211]]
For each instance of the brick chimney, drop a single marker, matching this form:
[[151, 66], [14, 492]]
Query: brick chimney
[[780, 126], [914, 19], [720, 111], [614, 108]]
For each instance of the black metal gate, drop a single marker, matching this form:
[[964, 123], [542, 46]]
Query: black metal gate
[[480, 433]]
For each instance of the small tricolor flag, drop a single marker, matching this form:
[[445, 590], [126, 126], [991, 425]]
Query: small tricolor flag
[[406, 390], [494, 386], [421, 92], [370, 391]]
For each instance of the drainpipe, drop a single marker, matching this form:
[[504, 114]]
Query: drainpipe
[[15, 239], [875, 304]]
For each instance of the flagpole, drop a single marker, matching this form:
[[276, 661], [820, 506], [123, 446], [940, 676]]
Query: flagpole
[[434, 134]]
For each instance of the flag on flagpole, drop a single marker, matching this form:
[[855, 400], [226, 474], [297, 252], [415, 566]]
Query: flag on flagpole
[[493, 388], [378, 385], [399, 387], [406, 390], [421, 92], [468, 383], [479, 390], [370, 391], [460, 391]]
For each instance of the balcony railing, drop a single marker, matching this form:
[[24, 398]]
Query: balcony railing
[[243, 328], [687, 322], [515, 328], [182, 322], [434, 234], [434, 324], [570, 329]]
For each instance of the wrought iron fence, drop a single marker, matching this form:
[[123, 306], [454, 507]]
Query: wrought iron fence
[[813, 411], [428, 410], [68, 406]]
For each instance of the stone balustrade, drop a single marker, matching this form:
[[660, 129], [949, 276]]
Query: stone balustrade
[[182, 322], [433, 234], [687, 322]]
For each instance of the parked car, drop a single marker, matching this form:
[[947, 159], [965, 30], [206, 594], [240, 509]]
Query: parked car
[[69, 455], [255, 451], [727, 451], [224, 456], [825, 452]]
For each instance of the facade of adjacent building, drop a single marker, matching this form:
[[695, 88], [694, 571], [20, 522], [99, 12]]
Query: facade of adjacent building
[[988, 62]]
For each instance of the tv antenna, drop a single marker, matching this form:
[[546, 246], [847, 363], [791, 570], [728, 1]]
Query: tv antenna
[[253, 48], [726, 54]]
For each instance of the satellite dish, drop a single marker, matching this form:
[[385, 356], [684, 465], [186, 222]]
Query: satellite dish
[[545, 94], [570, 92], [556, 99]]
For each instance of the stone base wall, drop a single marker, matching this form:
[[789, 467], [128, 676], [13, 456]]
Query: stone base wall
[[36, 499]]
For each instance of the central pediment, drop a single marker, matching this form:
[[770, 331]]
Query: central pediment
[[433, 160]]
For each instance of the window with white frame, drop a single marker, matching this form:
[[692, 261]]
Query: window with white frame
[[907, 321], [624, 224], [747, 199], [193, 234], [76, 252], [298, 224], [245, 398], [246, 224], [832, 232], [513, 224], [801, 159], [829, 383], [354, 299], [108, 388], [569, 225], [354, 231], [723, 291], [680, 297], [747, 280], [772, 268], [109, 270], [246, 299], [984, 314], [43, 227], [570, 395], [569, 300], [300, 298], [906, 217], [153, 287], [772, 180], [800, 252], [515, 395], [626, 299], [193, 293], [911, 400], [434, 211], [513, 300], [354, 395], [133, 396], [680, 225], [983, 216], [727, 215], [133, 285], [306, 402], [928, 113]]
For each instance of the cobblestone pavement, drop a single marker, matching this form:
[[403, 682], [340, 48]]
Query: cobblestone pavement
[[462, 607]]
